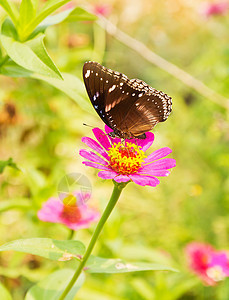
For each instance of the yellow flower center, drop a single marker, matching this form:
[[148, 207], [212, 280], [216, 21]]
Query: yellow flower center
[[125, 159]]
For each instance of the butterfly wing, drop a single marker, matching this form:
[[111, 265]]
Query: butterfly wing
[[151, 108], [141, 108], [96, 88], [106, 89], [129, 107]]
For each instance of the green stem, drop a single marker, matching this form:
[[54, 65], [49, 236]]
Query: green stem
[[4, 60], [118, 187], [71, 234]]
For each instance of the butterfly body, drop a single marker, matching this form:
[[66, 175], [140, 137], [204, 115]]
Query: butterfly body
[[129, 107]]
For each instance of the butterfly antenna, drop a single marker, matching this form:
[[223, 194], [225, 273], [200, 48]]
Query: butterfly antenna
[[87, 125], [106, 134]]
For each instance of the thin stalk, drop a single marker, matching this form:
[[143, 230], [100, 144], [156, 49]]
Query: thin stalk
[[71, 234], [118, 187]]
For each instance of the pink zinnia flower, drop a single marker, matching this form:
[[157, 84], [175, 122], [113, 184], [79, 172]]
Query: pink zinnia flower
[[127, 161], [102, 9], [210, 265], [74, 216], [217, 8]]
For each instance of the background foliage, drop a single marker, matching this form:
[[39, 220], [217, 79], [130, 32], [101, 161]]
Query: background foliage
[[41, 125]]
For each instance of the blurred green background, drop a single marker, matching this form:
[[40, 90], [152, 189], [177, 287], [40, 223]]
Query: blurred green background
[[41, 129]]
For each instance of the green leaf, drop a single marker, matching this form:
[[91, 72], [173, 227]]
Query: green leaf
[[48, 248], [53, 286], [76, 14], [9, 29], [10, 68], [105, 265], [27, 13], [11, 9], [15, 203], [71, 86], [7, 163], [5, 295], [47, 9], [37, 46], [31, 55], [80, 14]]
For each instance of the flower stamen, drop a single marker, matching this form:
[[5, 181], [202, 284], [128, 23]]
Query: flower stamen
[[125, 159]]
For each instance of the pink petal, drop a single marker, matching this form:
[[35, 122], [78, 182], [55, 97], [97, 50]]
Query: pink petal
[[80, 225], [95, 165], [51, 210], [220, 258], [95, 146], [88, 213], [92, 156], [144, 143], [162, 152], [102, 138], [48, 217], [165, 163], [107, 174], [144, 180], [88, 216], [159, 173], [113, 140], [122, 178]]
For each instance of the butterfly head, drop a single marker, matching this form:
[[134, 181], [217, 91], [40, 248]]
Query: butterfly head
[[119, 134]]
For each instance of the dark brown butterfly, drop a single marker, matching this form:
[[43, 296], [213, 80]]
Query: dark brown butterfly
[[129, 107]]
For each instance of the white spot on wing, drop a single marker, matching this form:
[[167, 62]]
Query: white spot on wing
[[87, 74], [112, 88]]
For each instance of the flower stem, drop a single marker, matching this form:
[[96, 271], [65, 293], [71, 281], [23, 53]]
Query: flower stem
[[118, 187], [71, 234]]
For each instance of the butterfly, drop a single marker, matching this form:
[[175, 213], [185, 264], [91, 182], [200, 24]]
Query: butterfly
[[130, 107]]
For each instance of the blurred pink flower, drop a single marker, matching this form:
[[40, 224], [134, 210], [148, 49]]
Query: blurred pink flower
[[102, 9], [74, 217], [216, 8], [127, 161], [69, 5], [210, 265]]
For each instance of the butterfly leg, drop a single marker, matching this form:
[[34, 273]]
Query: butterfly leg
[[141, 136]]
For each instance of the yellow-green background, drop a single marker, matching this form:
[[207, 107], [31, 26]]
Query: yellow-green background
[[148, 224]]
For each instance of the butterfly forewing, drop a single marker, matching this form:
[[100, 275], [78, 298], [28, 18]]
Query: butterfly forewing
[[129, 107], [95, 89]]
